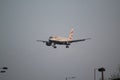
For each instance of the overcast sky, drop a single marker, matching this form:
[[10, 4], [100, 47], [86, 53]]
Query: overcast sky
[[22, 22]]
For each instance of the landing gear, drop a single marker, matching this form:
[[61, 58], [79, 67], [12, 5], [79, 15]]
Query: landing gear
[[54, 46], [67, 46]]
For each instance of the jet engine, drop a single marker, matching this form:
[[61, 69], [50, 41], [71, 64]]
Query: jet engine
[[48, 43]]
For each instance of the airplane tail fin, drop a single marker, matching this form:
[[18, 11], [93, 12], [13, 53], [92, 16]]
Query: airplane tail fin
[[70, 37]]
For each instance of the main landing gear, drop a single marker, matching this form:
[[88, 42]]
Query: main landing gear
[[67, 46], [54, 46]]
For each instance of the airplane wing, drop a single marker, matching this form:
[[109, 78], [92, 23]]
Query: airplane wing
[[41, 41], [79, 40]]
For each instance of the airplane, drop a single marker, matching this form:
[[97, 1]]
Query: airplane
[[57, 40]]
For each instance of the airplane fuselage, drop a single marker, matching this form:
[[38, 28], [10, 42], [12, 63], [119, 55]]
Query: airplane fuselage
[[59, 42], [58, 38], [53, 40]]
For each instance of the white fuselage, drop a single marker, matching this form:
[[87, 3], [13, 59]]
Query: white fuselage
[[57, 38]]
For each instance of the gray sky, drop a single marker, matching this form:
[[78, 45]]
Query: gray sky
[[22, 22]]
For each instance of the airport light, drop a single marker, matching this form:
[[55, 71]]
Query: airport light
[[102, 70], [3, 69]]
